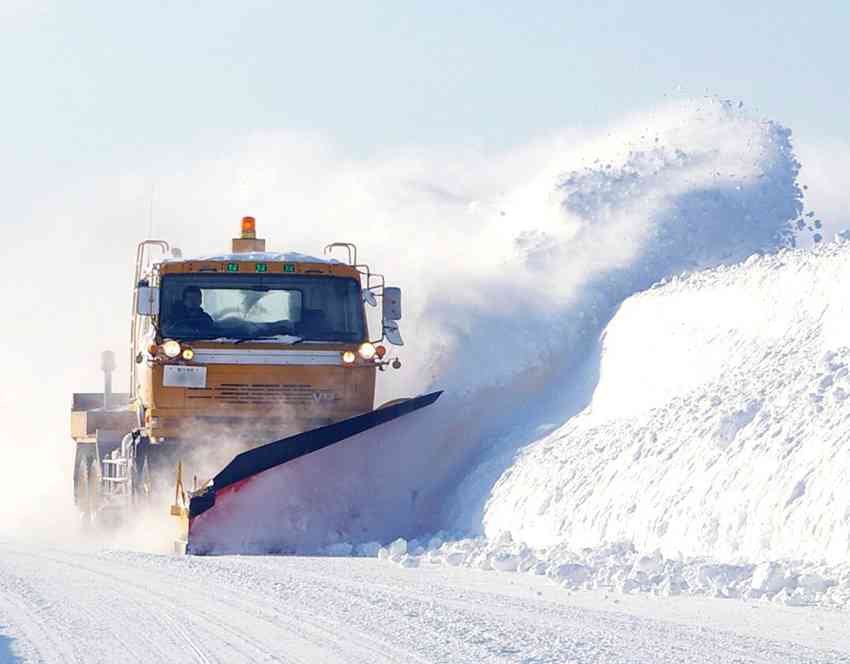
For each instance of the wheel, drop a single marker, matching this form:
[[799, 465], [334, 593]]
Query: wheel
[[145, 483], [139, 469], [86, 481]]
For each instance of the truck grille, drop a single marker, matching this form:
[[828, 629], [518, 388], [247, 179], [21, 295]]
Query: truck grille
[[270, 395]]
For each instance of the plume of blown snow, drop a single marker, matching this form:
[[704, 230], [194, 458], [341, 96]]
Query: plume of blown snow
[[690, 187], [826, 194]]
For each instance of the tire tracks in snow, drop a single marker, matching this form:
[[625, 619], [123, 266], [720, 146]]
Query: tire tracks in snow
[[136, 607], [316, 625], [307, 610], [251, 634], [465, 624], [22, 609]]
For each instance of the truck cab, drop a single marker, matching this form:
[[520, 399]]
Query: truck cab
[[255, 341]]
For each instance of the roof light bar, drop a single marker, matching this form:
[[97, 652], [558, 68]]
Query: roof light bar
[[249, 228]]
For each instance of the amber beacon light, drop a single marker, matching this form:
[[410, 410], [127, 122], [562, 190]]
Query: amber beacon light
[[249, 228]]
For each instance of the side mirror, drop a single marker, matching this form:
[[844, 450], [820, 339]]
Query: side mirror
[[392, 303], [147, 301], [392, 333], [369, 298]]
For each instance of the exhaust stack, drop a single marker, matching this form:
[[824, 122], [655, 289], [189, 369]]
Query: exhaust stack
[[249, 242], [107, 365]]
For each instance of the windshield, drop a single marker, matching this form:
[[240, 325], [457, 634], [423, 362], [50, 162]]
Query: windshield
[[286, 308]]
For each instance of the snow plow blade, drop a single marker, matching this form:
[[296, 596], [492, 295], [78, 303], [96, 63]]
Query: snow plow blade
[[214, 500]]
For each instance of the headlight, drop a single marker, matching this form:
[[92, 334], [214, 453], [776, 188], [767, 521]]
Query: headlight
[[188, 354], [367, 351], [171, 348], [348, 357]]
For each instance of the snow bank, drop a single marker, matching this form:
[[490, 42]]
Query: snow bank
[[701, 446], [719, 426], [713, 457], [620, 568]]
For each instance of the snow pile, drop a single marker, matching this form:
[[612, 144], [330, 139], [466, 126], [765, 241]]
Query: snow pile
[[719, 426], [620, 568], [713, 457]]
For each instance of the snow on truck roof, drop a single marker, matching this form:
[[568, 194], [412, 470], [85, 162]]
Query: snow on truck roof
[[260, 256]]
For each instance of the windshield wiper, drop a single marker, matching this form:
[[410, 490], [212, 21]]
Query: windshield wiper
[[291, 343]]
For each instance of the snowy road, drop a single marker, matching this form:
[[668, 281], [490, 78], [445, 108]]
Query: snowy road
[[66, 605]]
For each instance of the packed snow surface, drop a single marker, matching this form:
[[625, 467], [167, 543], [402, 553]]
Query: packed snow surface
[[58, 604]]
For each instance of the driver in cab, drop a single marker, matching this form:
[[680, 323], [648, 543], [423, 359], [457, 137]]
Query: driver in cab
[[189, 309]]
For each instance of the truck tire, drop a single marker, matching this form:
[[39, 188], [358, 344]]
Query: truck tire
[[86, 479]]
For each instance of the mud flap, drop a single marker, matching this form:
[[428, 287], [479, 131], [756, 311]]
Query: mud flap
[[248, 465]]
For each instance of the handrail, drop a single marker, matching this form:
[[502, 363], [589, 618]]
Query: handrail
[[352, 251], [141, 254]]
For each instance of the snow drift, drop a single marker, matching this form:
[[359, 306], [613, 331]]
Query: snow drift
[[719, 426], [713, 456]]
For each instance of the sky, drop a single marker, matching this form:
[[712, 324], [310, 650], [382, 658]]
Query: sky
[[117, 116], [96, 83]]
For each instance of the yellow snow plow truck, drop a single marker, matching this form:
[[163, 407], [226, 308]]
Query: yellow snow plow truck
[[267, 356]]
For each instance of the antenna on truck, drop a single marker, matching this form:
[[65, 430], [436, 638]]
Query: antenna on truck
[[150, 209]]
